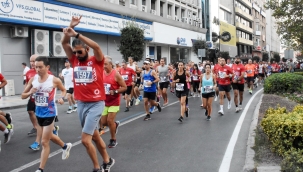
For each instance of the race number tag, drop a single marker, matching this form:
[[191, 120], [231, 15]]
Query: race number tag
[[222, 75], [208, 89], [83, 74], [195, 78], [179, 86], [125, 77], [249, 71], [236, 77], [163, 79], [145, 83], [41, 99], [107, 88]]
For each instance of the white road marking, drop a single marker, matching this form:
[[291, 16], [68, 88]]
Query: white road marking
[[225, 165], [37, 161]]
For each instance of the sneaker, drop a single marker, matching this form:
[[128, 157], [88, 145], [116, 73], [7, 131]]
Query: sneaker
[[56, 130], [101, 131], [126, 109], [181, 119], [221, 112], [35, 146], [198, 95], [7, 136], [69, 111], [107, 166], [8, 117], [75, 109], [140, 98], [33, 131], [216, 98], [159, 107], [229, 105], [208, 118], [147, 117], [240, 108], [206, 113], [237, 109], [137, 101], [117, 126], [98, 170], [151, 109], [38, 171], [65, 152], [250, 91], [131, 102], [112, 143], [194, 95]]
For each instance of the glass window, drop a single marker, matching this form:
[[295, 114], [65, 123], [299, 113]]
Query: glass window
[[133, 2]]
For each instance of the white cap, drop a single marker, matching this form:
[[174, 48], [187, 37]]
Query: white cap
[[146, 62], [117, 62]]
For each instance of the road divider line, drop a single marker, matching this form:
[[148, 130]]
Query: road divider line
[[225, 165], [126, 121]]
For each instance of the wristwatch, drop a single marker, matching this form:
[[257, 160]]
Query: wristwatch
[[116, 91]]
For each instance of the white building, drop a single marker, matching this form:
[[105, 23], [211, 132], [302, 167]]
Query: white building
[[273, 42]]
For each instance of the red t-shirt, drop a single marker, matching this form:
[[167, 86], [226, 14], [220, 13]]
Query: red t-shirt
[[238, 69], [196, 74], [275, 67], [1, 77], [31, 73], [222, 72], [127, 75], [110, 83], [256, 68], [88, 79], [216, 70]]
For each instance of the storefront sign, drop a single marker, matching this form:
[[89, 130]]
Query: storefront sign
[[40, 13], [181, 41], [209, 44], [225, 37], [228, 34]]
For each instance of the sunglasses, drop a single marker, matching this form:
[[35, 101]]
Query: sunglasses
[[77, 52]]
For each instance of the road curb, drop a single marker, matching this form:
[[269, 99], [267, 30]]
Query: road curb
[[249, 165]]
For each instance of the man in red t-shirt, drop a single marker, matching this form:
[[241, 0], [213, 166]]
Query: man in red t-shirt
[[215, 71], [238, 82], [275, 67], [127, 74], [89, 90], [224, 75], [5, 118]]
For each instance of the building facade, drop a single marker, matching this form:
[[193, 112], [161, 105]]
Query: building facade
[[35, 27], [273, 41]]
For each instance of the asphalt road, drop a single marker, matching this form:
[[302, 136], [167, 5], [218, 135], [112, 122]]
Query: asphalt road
[[162, 144]]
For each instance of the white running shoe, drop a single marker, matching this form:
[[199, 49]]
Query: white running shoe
[[229, 105], [221, 112], [237, 109], [198, 95], [137, 102], [216, 98], [194, 95], [65, 153]]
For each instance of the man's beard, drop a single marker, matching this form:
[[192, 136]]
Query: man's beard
[[84, 58]]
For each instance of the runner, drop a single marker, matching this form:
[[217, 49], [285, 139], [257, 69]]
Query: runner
[[43, 86], [149, 80], [256, 77], [89, 91], [67, 75], [216, 71], [127, 74], [262, 69], [250, 70], [196, 80], [179, 78], [224, 74], [5, 118], [113, 85], [207, 85], [163, 71], [238, 83], [137, 87], [133, 65]]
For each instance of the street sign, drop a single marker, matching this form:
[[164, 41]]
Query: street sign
[[201, 52], [209, 44], [288, 54], [225, 37]]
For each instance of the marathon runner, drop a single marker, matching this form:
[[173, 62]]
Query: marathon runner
[[250, 70], [163, 71], [238, 83]]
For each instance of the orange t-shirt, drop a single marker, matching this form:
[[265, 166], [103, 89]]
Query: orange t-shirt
[[250, 70]]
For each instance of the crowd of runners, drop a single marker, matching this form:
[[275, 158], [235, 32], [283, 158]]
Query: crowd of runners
[[93, 86]]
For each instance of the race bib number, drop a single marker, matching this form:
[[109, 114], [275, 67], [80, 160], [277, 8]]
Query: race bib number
[[163, 79], [107, 88], [125, 77], [236, 77], [195, 78], [179, 86], [83, 74], [41, 99], [208, 89], [249, 71], [145, 83], [222, 75]]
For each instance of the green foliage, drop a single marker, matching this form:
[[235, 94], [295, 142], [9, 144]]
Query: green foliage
[[256, 58], [199, 44], [224, 54], [284, 59], [292, 161], [265, 57], [289, 21], [284, 83], [132, 41], [276, 57]]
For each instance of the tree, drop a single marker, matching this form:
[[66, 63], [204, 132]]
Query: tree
[[132, 41], [284, 59], [199, 44], [289, 21], [224, 54], [265, 57], [256, 58], [276, 57]]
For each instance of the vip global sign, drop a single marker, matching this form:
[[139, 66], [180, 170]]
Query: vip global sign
[[181, 41], [46, 14]]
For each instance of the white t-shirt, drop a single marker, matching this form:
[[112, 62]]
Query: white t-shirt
[[67, 74], [26, 69], [133, 66]]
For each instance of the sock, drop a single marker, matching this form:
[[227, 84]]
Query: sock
[[236, 105], [229, 102], [64, 147], [9, 126], [221, 107], [40, 169], [70, 107], [5, 131], [240, 103]]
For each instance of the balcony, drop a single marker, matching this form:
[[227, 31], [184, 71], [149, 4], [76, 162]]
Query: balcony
[[244, 41], [244, 14], [243, 27], [247, 3]]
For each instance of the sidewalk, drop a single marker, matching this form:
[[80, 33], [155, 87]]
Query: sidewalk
[[10, 102]]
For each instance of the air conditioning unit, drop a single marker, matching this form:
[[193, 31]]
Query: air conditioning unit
[[19, 32], [144, 8], [40, 42], [194, 18], [57, 46], [184, 19], [153, 11]]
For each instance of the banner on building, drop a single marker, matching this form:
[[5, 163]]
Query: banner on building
[[225, 27]]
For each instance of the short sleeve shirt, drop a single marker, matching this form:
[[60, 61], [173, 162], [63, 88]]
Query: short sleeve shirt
[[1, 77], [127, 75], [238, 69], [250, 70], [222, 72]]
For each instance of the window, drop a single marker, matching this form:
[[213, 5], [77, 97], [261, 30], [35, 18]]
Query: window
[[133, 2], [169, 9], [225, 15], [143, 2], [257, 27]]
